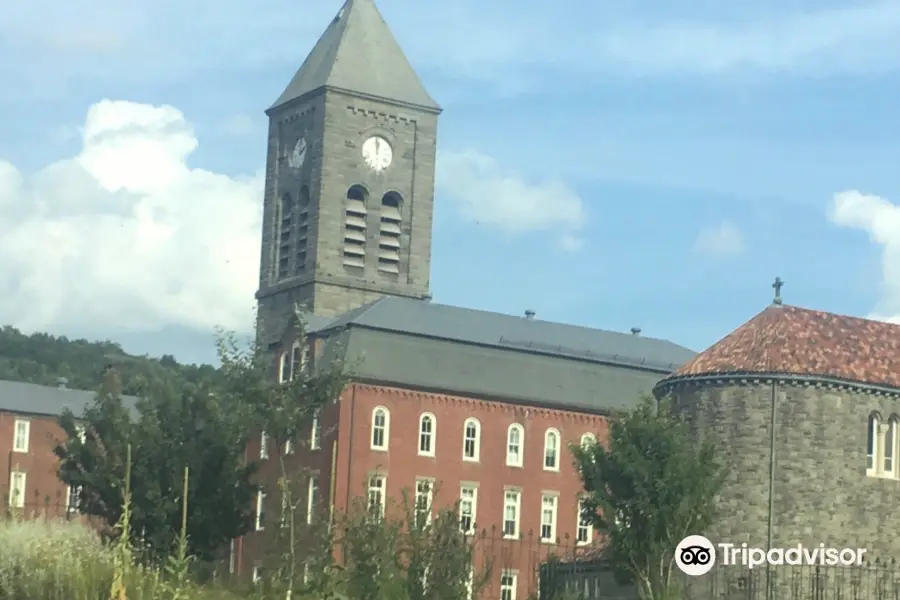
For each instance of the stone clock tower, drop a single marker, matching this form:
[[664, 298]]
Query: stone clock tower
[[349, 176]]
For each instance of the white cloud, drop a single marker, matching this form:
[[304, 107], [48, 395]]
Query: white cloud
[[486, 194], [723, 239], [125, 236], [244, 126], [880, 218]]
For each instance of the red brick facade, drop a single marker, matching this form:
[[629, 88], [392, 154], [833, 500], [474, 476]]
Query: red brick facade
[[347, 430], [31, 455]]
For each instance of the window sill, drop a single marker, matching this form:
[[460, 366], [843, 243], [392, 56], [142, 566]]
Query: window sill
[[471, 460], [511, 537], [514, 466], [548, 542], [426, 454], [582, 544], [377, 449], [551, 470]]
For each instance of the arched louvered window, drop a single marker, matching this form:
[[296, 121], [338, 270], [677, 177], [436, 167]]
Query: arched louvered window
[[389, 233], [355, 214]]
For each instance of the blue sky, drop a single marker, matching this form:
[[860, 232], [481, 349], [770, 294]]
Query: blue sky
[[693, 153]]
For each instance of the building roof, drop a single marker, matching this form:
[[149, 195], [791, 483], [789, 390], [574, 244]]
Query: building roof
[[45, 400], [359, 54], [788, 340], [477, 327]]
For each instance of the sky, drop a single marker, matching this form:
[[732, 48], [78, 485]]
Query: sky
[[609, 164]]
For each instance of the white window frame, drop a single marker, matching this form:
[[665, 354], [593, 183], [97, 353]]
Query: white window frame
[[385, 429], [315, 432], [476, 441], [470, 584], [585, 525], [82, 433], [285, 507], [889, 461], [547, 436], [21, 436], [428, 495], [509, 581], [429, 436], [298, 363], [257, 573], [18, 486], [312, 493], [72, 496], [284, 365], [263, 445], [872, 441], [549, 504], [588, 440], [512, 497], [289, 447], [232, 557], [260, 523], [472, 503], [377, 485], [515, 459]]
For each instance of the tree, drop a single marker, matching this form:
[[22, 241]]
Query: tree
[[174, 427], [286, 408], [651, 487]]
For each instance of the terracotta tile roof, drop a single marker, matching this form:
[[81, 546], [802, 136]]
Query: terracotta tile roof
[[796, 341]]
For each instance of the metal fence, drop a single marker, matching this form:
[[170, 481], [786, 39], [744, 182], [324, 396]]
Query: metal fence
[[594, 580]]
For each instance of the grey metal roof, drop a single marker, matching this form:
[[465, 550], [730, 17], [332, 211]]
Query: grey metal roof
[[358, 53], [45, 400], [483, 328]]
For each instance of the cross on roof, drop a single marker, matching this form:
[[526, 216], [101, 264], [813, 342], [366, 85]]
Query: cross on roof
[[777, 287]]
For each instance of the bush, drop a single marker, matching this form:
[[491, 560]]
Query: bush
[[61, 560]]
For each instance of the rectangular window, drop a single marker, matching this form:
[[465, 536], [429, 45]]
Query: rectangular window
[[470, 585], [548, 517], [511, 503], [22, 435], [17, 489], [468, 508], [263, 445], [82, 433], [508, 585], [284, 509], [312, 498], [284, 368], [257, 574], [232, 556], [260, 510], [72, 496], [424, 496], [377, 486], [585, 534], [315, 432], [289, 447], [297, 360]]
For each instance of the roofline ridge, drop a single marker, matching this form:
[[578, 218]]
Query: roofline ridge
[[785, 377]]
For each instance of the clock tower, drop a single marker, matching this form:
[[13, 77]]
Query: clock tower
[[349, 176]]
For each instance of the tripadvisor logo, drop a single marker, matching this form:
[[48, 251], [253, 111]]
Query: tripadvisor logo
[[695, 555]]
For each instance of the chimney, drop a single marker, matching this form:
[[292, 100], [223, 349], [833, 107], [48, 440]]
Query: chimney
[[61, 382], [529, 314], [635, 331]]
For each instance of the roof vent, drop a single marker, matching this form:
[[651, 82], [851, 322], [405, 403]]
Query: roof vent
[[635, 331], [62, 382], [427, 297], [529, 314]]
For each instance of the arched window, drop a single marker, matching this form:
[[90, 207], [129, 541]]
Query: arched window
[[427, 434], [298, 359], [381, 428], [389, 233], [872, 443], [355, 212], [302, 229], [471, 440], [551, 450], [588, 440], [890, 446], [515, 438], [283, 228], [284, 367]]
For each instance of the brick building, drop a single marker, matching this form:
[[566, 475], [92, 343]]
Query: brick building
[[29, 432], [480, 405], [806, 405]]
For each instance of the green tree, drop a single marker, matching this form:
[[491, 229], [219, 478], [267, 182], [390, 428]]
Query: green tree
[[653, 485], [174, 427], [287, 408]]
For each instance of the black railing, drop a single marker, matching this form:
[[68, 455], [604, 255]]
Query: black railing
[[594, 580]]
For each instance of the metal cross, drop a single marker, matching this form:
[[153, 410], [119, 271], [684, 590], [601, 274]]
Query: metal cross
[[777, 287]]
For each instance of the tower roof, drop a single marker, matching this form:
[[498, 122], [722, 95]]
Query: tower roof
[[788, 340], [359, 54]]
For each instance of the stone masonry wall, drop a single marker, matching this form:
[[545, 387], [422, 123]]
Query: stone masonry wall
[[821, 493]]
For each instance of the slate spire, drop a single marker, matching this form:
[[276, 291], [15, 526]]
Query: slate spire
[[358, 54]]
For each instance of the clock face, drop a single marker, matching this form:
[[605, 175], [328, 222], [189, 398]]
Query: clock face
[[298, 155], [377, 153]]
